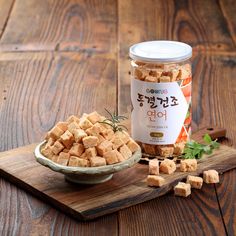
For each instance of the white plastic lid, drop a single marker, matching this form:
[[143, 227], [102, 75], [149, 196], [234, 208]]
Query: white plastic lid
[[161, 51]]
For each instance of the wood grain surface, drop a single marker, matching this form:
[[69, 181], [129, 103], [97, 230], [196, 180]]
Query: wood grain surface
[[126, 188], [97, 27]]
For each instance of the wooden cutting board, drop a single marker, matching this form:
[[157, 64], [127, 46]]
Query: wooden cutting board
[[125, 189]]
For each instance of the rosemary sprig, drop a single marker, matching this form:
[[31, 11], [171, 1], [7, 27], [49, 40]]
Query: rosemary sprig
[[114, 121], [195, 150]]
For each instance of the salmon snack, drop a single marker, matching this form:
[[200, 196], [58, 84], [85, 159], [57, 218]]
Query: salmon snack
[[161, 84]]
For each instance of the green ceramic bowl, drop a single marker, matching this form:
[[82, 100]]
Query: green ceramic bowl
[[86, 175]]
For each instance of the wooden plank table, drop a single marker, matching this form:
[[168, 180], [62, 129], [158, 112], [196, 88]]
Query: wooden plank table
[[62, 57]]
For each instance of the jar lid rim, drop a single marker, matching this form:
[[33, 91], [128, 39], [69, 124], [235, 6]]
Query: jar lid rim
[[160, 51]]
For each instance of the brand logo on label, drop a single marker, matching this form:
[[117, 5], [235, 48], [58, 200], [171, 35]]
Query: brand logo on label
[[157, 91]]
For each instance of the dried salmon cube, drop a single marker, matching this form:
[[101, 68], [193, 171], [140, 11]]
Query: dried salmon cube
[[90, 152], [179, 148], [78, 161], [57, 147], [104, 147], [73, 161], [195, 181], [79, 134], [119, 156], [123, 135], [63, 158], [62, 125], [182, 189], [55, 132], [125, 152], [67, 139], [77, 149], [164, 79], [154, 167], [155, 181], [94, 117], [188, 165], [107, 134], [117, 142], [90, 141], [151, 79], [165, 151], [132, 145], [97, 161], [211, 177], [47, 152], [85, 123], [168, 166], [94, 130], [149, 149], [73, 126], [111, 157], [50, 142], [72, 118]]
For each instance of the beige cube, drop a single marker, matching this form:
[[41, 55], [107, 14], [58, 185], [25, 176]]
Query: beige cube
[[79, 134], [154, 167], [125, 152], [90, 141], [104, 147], [183, 74], [85, 123], [179, 148], [94, 130], [73, 126], [76, 161], [195, 181], [182, 189], [94, 117], [97, 161], [151, 79], [168, 166], [117, 142], [164, 79], [90, 152], [77, 149], [155, 181], [100, 138], [211, 177], [149, 149], [166, 151], [111, 157], [47, 152], [119, 156], [63, 158], [57, 147], [50, 142], [123, 135], [72, 118], [67, 139], [132, 145], [55, 132], [188, 165], [107, 133], [55, 158], [73, 161], [174, 75], [62, 125]]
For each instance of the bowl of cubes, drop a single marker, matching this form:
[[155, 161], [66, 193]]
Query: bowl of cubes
[[88, 150]]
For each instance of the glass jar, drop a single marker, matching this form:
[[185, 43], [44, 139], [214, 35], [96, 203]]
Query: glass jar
[[161, 80]]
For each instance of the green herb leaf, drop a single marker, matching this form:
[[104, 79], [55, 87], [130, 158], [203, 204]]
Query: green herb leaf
[[207, 138], [195, 150], [114, 121]]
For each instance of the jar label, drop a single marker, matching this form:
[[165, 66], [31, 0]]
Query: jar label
[[161, 111]]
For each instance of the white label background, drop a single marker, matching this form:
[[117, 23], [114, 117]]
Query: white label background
[[141, 125]]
